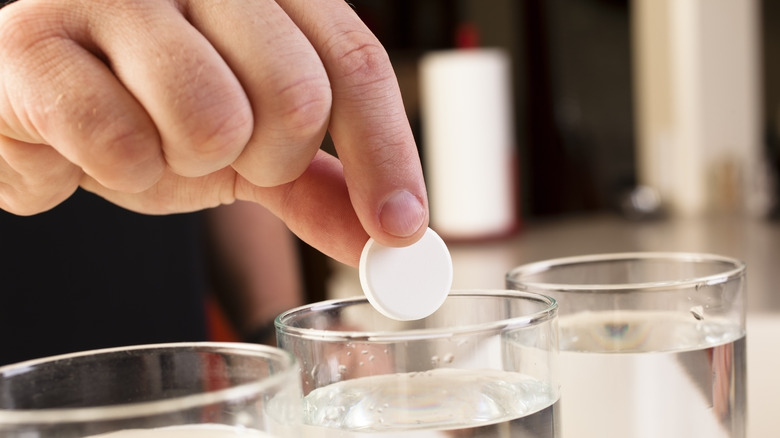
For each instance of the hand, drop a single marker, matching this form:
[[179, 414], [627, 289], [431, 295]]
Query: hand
[[180, 105]]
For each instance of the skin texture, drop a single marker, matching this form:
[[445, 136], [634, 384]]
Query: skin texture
[[175, 106]]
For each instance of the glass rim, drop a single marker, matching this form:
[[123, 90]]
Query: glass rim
[[15, 417], [736, 269], [549, 311]]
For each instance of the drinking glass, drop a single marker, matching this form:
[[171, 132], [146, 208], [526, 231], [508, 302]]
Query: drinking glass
[[652, 344], [483, 365], [214, 390]]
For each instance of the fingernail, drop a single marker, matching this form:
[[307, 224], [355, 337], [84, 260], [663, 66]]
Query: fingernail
[[402, 214]]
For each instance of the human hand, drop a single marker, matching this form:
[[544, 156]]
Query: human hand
[[165, 107]]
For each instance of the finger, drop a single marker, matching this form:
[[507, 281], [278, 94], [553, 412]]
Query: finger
[[202, 114], [34, 177], [368, 122], [301, 204], [173, 193], [284, 78], [316, 207], [58, 93]]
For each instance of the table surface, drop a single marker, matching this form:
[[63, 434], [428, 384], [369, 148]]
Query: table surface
[[756, 241]]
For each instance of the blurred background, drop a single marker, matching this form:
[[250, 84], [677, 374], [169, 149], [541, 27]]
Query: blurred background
[[602, 88], [639, 109], [630, 125]]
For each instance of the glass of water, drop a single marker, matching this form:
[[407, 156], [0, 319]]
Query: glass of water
[[652, 344], [214, 390], [483, 365]]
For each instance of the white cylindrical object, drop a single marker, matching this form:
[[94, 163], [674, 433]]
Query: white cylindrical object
[[698, 107], [468, 142]]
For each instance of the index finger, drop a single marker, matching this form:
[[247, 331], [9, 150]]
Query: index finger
[[368, 123]]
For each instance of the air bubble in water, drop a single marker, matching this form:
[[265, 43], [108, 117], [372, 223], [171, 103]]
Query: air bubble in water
[[697, 312]]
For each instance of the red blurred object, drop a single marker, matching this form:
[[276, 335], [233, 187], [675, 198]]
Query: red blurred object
[[467, 36], [219, 328]]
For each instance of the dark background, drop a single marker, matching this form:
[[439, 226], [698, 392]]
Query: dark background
[[572, 91], [573, 86]]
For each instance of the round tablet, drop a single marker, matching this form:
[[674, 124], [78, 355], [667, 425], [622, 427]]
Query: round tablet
[[407, 283]]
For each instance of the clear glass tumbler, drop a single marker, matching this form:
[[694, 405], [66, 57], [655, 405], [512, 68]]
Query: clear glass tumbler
[[215, 390], [652, 344], [483, 365]]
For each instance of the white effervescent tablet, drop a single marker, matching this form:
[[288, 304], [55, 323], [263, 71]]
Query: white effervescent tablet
[[407, 283]]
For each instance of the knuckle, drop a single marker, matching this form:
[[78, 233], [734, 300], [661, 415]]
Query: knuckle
[[218, 132], [360, 58], [290, 132], [304, 107], [34, 196], [33, 178], [127, 160], [17, 29], [264, 173], [25, 27], [279, 176]]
